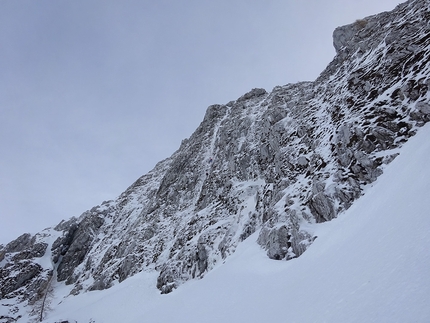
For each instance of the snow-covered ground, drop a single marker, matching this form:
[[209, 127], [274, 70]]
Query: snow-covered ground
[[371, 264]]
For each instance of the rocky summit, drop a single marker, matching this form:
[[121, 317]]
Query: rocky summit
[[272, 163]]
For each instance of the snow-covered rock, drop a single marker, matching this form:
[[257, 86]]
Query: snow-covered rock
[[273, 163]]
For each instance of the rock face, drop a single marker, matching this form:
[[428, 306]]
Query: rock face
[[274, 164]]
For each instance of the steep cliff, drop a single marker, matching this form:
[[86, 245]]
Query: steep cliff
[[274, 163]]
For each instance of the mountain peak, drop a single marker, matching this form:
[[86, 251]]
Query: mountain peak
[[275, 164]]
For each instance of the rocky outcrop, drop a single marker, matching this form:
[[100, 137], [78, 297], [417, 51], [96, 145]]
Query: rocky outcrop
[[21, 276], [272, 164]]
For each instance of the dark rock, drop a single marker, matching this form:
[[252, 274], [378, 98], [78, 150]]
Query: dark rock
[[19, 244], [322, 207]]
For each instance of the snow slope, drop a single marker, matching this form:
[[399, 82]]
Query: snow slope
[[371, 264]]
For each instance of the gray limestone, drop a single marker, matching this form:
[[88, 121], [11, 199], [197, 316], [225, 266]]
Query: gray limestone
[[265, 163]]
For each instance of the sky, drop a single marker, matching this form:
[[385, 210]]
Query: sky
[[94, 93], [370, 264]]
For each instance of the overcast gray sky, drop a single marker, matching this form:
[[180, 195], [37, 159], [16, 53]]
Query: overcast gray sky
[[94, 93]]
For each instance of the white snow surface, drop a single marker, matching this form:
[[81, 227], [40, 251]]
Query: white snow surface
[[371, 264]]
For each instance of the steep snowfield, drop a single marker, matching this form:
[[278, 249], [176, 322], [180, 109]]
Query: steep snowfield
[[371, 264]]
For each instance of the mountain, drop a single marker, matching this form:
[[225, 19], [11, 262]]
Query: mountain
[[371, 264], [273, 166]]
